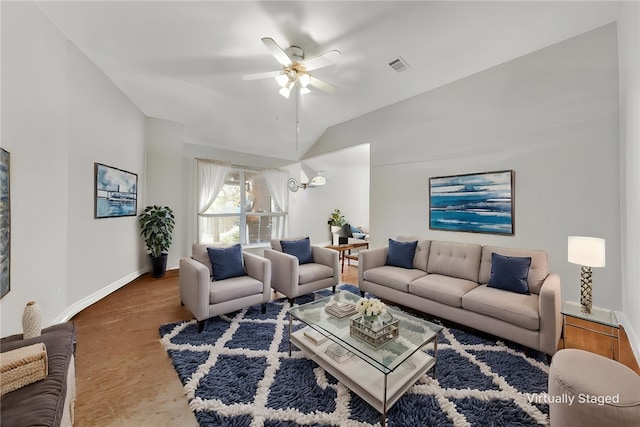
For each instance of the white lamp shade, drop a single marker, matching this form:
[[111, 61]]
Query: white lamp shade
[[319, 180], [586, 251], [282, 79]]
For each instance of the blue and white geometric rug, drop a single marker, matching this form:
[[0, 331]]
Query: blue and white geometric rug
[[238, 372]]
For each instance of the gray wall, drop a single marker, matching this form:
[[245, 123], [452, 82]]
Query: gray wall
[[629, 65], [552, 116], [60, 114]]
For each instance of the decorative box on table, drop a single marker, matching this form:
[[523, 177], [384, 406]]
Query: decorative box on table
[[375, 336]]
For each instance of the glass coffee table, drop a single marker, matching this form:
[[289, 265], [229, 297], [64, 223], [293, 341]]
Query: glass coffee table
[[379, 375]]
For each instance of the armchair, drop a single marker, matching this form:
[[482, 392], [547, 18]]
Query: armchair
[[206, 298], [293, 279]]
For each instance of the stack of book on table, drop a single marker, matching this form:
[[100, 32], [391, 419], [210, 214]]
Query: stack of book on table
[[338, 353], [340, 309], [314, 336]]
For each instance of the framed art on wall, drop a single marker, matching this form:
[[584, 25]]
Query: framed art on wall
[[476, 202], [5, 223], [116, 192]]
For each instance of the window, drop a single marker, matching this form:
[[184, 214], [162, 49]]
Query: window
[[243, 212]]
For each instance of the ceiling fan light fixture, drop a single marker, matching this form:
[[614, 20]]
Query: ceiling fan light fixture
[[304, 90], [282, 79], [285, 92], [304, 79]]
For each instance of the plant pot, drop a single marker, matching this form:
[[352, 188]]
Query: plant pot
[[335, 229], [159, 265]]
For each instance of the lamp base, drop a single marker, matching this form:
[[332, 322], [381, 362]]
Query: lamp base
[[585, 290]]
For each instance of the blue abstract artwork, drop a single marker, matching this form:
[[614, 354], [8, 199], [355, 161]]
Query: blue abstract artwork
[[476, 203], [116, 192], [5, 224]]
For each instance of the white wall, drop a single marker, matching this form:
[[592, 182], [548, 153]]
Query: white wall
[[347, 189], [60, 114], [629, 64], [164, 178], [552, 116]]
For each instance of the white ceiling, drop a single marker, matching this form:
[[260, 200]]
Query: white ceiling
[[183, 61]]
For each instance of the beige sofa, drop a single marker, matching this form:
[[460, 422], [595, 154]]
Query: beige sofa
[[448, 280]]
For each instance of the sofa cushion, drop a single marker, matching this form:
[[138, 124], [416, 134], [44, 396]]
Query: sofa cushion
[[509, 273], [200, 254], [393, 277], [538, 270], [234, 288], [226, 262], [400, 254], [461, 260], [312, 272], [421, 257], [517, 309], [443, 289], [301, 249]]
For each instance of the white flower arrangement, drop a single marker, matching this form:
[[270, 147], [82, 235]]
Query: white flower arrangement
[[370, 307]]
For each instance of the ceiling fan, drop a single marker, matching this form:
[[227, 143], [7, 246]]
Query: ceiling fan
[[296, 69]]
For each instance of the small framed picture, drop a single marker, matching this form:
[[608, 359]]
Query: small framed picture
[[116, 192]]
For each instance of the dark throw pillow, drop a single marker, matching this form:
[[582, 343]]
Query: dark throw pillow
[[301, 249], [345, 231], [400, 254], [226, 262], [509, 273]]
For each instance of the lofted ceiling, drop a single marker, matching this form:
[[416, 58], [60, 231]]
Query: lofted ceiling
[[184, 61]]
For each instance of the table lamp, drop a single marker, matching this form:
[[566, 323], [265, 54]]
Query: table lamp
[[587, 252]]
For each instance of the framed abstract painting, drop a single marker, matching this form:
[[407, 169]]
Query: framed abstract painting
[[116, 192], [474, 203], [5, 223]]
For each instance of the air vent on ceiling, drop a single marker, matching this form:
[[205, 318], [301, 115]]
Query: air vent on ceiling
[[399, 64]]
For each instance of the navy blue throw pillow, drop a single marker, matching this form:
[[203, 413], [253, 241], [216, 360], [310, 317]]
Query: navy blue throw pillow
[[509, 273], [301, 249], [400, 254], [226, 262]]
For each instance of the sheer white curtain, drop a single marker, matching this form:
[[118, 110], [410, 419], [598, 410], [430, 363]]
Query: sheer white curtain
[[211, 177], [276, 180]]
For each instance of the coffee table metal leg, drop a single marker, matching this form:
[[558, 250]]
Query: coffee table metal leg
[[435, 356], [384, 402], [290, 321]]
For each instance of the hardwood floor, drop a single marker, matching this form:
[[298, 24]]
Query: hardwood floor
[[123, 374]]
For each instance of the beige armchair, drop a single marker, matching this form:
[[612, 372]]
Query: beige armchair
[[293, 279], [206, 298]]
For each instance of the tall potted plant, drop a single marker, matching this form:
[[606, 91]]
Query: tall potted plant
[[156, 227]]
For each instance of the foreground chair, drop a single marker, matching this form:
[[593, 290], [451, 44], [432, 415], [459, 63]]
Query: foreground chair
[[207, 298], [586, 389], [293, 278]]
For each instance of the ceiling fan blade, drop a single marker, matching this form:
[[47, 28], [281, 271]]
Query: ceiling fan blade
[[279, 53], [258, 76], [324, 60], [324, 86]]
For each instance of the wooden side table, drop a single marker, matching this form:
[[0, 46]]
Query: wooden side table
[[345, 250], [600, 322]]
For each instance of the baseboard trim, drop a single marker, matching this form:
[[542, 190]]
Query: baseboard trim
[[85, 302], [631, 334]]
